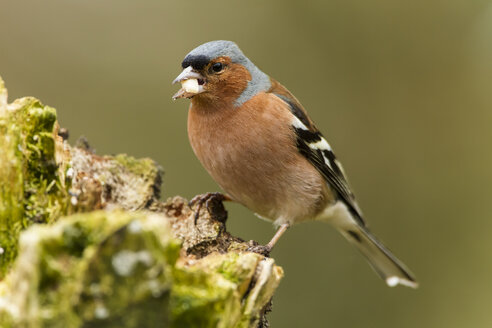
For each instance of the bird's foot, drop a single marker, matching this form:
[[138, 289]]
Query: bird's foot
[[260, 249], [210, 200]]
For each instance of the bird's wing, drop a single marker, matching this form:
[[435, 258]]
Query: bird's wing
[[312, 145]]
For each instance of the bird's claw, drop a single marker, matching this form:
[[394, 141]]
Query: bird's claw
[[260, 249], [206, 199]]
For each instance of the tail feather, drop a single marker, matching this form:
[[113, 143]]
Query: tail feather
[[386, 265]]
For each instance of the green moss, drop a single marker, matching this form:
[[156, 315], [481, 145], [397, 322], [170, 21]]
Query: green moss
[[140, 167], [237, 268], [11, 190], [200, 296], [121, 269], [6, 320], [30, 188], [104, 268], [132, 279], [101, 269], [44, 198], [212, 290], [75, 238]]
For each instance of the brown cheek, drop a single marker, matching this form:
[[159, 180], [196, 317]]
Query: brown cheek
[[233, 82]]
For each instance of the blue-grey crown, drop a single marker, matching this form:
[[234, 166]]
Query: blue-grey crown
[[203, 54]]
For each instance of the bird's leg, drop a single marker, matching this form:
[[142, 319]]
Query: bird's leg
[[266, 249], [280, 231], [206, 199]]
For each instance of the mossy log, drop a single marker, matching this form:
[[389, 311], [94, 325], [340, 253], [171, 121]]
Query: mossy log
[[86, 242]]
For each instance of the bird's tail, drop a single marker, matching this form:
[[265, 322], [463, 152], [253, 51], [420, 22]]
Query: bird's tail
[[386, 265]]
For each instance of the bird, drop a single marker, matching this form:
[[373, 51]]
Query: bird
[[258, 143]]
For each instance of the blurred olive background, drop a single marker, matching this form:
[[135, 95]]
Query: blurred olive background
[[401, 89]]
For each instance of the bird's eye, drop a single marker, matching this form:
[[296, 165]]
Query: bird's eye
[[217, 67]]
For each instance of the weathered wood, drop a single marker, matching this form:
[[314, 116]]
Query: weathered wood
[[86, 242]]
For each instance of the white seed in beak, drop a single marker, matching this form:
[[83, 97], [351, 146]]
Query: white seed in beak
[[190, 86]]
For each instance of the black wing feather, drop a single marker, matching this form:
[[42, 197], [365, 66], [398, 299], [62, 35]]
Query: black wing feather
[[332, 172]]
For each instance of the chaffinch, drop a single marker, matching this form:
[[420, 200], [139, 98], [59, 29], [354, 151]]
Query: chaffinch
[[258, 143]]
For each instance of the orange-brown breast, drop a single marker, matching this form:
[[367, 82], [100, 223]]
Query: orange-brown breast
[[250, 151]]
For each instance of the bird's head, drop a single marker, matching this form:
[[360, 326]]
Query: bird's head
[[219, 72]]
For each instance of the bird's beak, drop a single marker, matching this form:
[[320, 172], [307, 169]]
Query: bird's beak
[[191, 81]]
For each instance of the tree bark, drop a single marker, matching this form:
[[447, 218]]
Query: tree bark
[[85, 240]]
